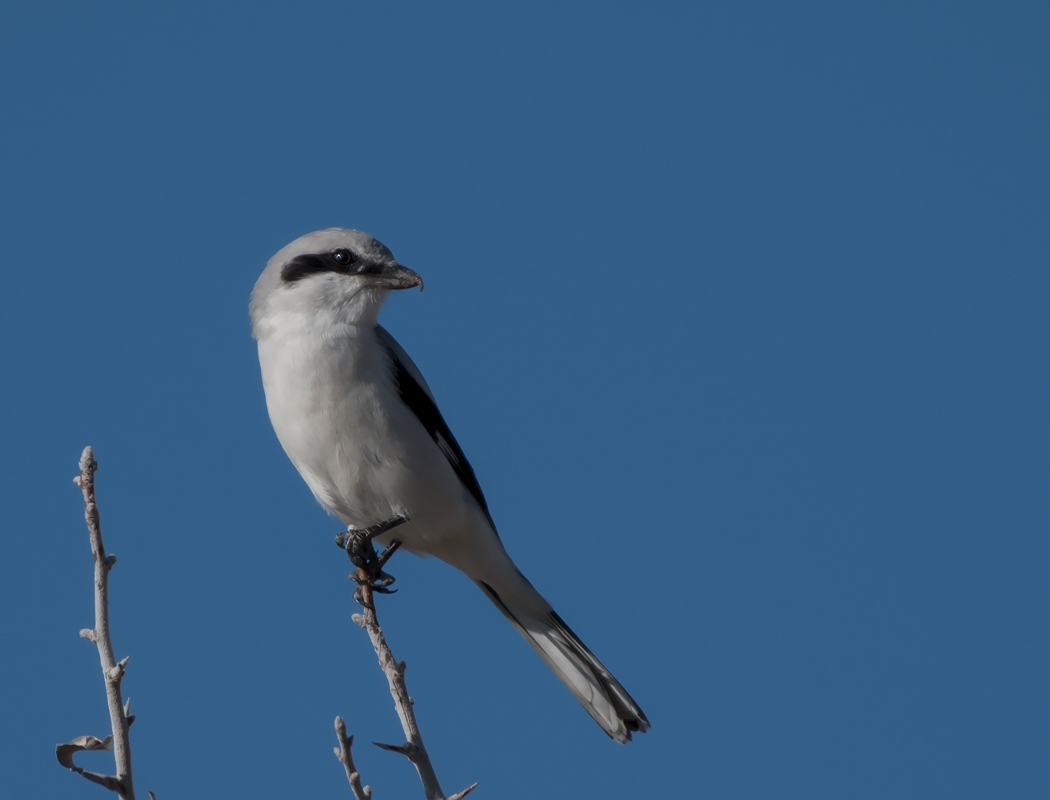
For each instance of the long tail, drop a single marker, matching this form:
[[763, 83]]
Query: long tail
[[590, 682]]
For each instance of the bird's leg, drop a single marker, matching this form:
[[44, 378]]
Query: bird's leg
[[358, 543], [382, 579], [359, 547]]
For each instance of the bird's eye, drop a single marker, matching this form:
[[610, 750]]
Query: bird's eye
[[343, 256]]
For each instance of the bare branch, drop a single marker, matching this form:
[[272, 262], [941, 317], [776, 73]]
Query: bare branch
[[342, 752], [395, 677], [112, 671], [369, 578]]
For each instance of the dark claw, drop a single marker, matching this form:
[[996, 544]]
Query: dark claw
[[359, 547]]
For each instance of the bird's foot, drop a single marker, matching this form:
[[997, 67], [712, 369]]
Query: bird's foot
[[359, 547]]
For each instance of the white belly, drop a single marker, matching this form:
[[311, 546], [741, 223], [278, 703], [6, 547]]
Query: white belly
[[360, 449]]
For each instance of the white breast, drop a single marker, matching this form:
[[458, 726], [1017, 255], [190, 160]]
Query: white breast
[[336, 411]]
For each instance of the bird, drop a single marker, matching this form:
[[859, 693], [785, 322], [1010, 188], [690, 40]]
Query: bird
[[360, 424]]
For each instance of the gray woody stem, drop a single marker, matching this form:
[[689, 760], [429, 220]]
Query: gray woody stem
[[112, 670], [413, 748], [342, 752]]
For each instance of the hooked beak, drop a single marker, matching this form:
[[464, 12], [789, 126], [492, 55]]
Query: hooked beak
[[395, 276]]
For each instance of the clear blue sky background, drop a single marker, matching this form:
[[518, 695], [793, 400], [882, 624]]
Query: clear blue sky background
[[740, 311]]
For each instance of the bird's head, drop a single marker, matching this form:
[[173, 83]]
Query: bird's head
[[336, 271]]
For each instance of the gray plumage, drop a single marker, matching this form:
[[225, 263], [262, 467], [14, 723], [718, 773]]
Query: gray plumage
[[361, 426]]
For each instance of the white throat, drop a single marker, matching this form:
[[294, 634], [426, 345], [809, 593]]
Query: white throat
[[323, 302]]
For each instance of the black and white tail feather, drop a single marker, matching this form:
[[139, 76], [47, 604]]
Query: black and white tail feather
[[600, 694]]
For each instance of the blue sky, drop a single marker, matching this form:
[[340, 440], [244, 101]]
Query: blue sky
[[739, 311]]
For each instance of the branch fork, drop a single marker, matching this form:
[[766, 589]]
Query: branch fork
[[370, 578]]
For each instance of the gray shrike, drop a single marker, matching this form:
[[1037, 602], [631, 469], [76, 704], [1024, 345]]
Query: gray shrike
[[359, 422]]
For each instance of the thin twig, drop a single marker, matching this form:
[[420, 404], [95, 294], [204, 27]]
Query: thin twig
[[112, 670], [342, 752], [413, 749]]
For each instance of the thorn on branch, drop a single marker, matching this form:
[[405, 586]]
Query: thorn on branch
[[408, 750], [117, 672], [463, 793]]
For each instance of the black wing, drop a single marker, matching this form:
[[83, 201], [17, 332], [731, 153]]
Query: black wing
[[416, 395]]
